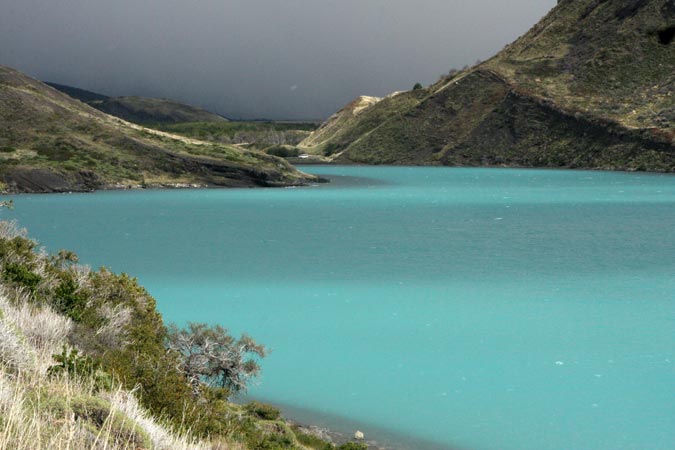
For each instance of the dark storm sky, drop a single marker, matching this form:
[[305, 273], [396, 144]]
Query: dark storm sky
[[256, 58]]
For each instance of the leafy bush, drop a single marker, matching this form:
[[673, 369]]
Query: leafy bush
[[21, 274], [274, 442], [352, 446], [310, 440], [80, 366], [99, 413], [263, 411], [68, 301], [70, 361], [282, 151]]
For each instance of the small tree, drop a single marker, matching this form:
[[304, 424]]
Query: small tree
[[417, 86], [210, 355]]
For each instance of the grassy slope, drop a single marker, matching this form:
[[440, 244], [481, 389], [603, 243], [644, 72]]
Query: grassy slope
[[257, 134], [51, 142], [82, 95], [590, 86], [136, 398], [141, 110]]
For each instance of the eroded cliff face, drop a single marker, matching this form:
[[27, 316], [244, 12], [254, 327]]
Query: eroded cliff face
[[592, 85]]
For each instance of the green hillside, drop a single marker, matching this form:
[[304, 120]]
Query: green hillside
[[141, 110], [50, 142], [257, 134], [82, 95], [144, 110], [592, 85]]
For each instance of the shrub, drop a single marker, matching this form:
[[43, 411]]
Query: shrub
[[310, 440], [19, 245], [21, 274], [209, 354], [68, 301], [282, 151], [263, 411], [122, 429], [70, 361], [352, 446], [274, 442], [80, 366]]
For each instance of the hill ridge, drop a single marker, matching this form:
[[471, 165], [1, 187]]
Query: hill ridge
[[591, 85], [139, 109], [50, 142]]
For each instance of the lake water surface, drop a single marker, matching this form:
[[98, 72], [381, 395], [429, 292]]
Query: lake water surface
[[460, 308]]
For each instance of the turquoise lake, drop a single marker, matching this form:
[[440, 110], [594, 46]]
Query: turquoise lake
[[431, 308]]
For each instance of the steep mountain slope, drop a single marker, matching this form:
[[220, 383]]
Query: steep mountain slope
[[592, 85], [51, 142], [141, 110], [82, 95]]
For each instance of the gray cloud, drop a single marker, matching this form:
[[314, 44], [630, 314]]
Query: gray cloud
[[256, 58]]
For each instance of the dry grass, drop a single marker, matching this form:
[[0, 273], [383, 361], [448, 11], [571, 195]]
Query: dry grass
[[39, 411]]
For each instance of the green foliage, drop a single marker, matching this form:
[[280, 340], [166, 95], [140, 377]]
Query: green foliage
[[71, 362], [74, 149], [274, 442], [258, 133], [353, 446], [282, 151], [311, 441], [263, 411], [417, 86], [68, 301], [64, 258], [58, 150], [585, 88], [98, 416], [18, 246], [98, 413], [22, 275]]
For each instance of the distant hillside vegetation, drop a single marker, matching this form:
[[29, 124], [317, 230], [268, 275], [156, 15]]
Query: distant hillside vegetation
[[592, 85], [145, 110], [50, 142], [263, 135], [141, 110], [188, 121]]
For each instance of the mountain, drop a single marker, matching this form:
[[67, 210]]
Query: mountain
[[592, 85], [141, 110], [50, 142], [81, 94]]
